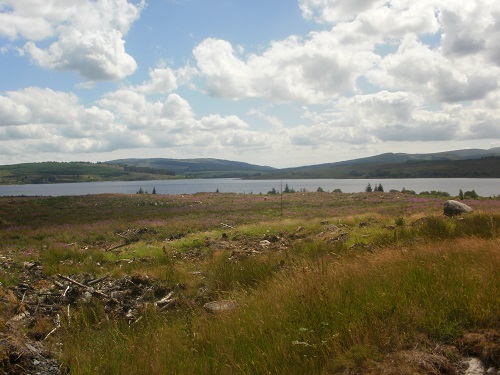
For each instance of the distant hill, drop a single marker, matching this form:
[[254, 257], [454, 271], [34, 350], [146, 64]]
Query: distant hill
[[202, 168], [471, 168], [473, 163], [403, 158], [56, 172]]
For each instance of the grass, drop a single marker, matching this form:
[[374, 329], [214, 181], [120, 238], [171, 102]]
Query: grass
[[322, 318], [335, 285]]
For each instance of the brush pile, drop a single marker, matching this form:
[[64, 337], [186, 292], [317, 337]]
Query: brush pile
[[37, 307]]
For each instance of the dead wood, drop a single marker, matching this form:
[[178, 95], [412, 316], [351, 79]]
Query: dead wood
[[90, 289]]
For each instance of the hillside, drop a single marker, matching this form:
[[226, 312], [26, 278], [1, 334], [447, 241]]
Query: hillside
[[202, 168], [488, 167], [54, 172], [473, 163], [467, 154]]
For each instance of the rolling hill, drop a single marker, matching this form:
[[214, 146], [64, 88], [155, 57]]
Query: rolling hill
[[473, 163], [202, 168]]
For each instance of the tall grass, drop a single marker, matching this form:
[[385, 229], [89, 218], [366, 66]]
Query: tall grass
[[326, 317], [380, 276]]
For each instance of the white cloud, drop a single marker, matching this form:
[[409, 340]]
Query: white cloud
[[164, 80], [217, 122], [418, 68], [36, 105], [377, 73], [395, 116], [97, 56], [317, 69], [32, 121], [332, 11], [89, 35]]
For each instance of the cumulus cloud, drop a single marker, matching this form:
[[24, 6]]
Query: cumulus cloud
[[394, 117], [32, 120], [374, 72], [97, 56], [316, 69], [418, 68], [331, 11], [163, 80], [89, 35], [328, 64]]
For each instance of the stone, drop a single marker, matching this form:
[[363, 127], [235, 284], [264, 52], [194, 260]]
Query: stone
[[452, 208], [220, 306]]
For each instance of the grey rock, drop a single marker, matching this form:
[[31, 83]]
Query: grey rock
[[220, 306], [452, 208]]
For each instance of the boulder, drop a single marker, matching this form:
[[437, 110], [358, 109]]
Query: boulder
[[452, 208]]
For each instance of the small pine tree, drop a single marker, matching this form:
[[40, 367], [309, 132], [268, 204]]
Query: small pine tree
[[154, 190], [368, 188], [461, 195], [380, 188], [320, 190]]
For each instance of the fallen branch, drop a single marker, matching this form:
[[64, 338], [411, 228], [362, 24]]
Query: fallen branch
[[227, 225], [89, 288], [165, 300], [119, 246], [58, 325], [95, 281]]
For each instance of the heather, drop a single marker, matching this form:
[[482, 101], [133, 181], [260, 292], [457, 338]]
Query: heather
[[321, 282]]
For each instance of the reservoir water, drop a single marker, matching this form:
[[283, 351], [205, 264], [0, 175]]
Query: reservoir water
[[484, 187]]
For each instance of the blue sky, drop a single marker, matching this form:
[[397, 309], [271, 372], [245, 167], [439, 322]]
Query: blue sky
[[279, 83]]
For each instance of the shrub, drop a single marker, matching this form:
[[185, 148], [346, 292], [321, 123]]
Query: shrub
[[400, 221], [471, 195], [405, 191]]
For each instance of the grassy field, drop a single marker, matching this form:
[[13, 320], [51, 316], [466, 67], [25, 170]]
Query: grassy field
[[324, 283]]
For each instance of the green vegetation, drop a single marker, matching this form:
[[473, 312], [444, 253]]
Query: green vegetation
[[197, 168], [444, 165], [54, 172], [488, 167], [337, 283]]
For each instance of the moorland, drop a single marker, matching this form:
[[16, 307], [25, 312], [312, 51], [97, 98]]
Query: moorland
[[317, 283]]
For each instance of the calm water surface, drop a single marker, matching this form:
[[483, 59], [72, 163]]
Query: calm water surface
[[483, 187]]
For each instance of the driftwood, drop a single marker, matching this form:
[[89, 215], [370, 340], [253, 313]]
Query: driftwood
[[227, 226]]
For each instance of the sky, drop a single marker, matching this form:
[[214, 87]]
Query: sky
[[281, 83]]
